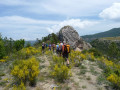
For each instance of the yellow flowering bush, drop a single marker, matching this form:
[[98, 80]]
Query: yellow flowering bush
[[76, 57], [56, 60], [19, 87], [58, 69], [111, 71], [6, 57], [83, 57], [92, 56], [25, 70], [72, 58], [6, 79], [27, 52], [89, 56], [2, 60], [108, 62], [61, 73], [114, 79], [30, 51], [48, 53]]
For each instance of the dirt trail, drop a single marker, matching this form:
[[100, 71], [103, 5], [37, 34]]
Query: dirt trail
[[45, 81], [84, 78], [87, 80]]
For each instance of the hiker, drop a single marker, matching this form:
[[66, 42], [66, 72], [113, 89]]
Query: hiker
[[53, 47], [50, 47], [46, 45], [43, 47], [60, 48], [66, 51], [57, 48]]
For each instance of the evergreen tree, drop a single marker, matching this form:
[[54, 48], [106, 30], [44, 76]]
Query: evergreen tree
[[113, 51], [19, 44], [28, 44], [2, 49]]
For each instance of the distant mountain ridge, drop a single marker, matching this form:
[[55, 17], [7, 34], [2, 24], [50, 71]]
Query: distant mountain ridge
[[111, 33], [32, 42]]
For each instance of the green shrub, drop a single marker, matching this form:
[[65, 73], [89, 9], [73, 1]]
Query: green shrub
[[2, 74], [84, 87], [83, 71], [19, 87], [82, 67], [0, 78], [2, 49], [2, 83], [101, 79], [93, 71], [88, 78], [95, 52]]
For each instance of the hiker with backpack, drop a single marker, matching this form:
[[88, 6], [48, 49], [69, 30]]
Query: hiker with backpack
[[66, 51], [46, 45], [60, 48], [53, 47], [43, 47], [50, 47], [57, 48]]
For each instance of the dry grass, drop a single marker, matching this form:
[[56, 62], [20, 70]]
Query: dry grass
[[111, 38]]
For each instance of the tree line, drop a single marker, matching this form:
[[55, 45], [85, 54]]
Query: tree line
[[8, 46], [51, 38]]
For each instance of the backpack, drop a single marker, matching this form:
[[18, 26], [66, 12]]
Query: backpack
[[60, 47], [43, 45], [53, 45], [50, 46], [57, 47], [67, 48]]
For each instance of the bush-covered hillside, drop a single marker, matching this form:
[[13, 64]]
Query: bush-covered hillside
[[111, 38], [111, 33], [110, 48], [28, 68], [8, 46]]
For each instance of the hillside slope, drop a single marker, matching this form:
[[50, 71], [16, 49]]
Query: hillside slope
[[86, 71], [111, 33]]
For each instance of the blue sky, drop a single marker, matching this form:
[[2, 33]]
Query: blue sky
[[31, 19]]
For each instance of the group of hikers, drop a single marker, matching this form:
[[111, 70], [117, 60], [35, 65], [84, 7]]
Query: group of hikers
[[62, 49]]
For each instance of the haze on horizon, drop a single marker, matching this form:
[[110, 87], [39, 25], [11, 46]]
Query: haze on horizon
[[37, 18]]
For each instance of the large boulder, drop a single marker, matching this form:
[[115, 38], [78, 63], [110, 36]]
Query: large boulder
[[70, 35]]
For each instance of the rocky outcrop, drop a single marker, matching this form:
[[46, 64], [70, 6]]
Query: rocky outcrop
[[70, 36]]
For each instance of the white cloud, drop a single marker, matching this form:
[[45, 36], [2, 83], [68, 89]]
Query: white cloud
[[60, 7], [14, 2], [76, 23], [24, 20], [20, 27], [112, 13], [76, 7]]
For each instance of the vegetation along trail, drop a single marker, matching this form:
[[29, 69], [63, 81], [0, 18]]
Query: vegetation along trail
[[29, 68], [85, 71]]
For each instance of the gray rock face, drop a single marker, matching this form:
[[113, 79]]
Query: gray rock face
[[69, 35]]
